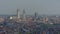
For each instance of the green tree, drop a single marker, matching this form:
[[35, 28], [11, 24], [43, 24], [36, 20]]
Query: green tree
[[27, 33], [19, 33]]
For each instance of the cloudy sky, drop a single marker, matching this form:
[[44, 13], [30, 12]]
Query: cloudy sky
[[41, 6]]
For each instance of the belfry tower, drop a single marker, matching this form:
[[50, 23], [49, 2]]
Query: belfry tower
[[18, 13], [24, 15]]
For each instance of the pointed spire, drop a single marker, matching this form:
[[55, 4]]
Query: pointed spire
[[36, 16], [23, 11], [18, 13], [24, 15]]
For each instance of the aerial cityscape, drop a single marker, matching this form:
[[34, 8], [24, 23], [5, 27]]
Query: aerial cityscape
[[24, 24], [29, 16]]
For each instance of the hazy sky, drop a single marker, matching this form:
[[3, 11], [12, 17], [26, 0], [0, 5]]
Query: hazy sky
[[31, 6]]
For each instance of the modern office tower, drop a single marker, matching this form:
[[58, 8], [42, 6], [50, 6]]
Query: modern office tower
[[24, 15], [18, 13]]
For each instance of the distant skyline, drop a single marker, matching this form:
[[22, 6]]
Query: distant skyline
[[50, 7]]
